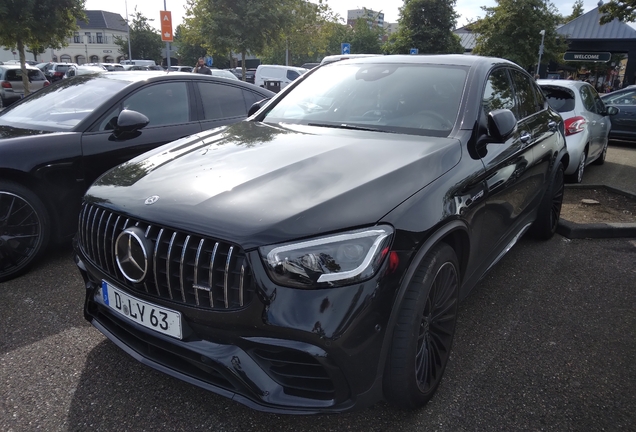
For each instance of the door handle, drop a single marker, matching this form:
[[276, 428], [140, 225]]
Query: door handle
[[525, 137], [552, 125]]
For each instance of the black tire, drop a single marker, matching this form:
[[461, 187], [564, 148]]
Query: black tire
[[424, 330], [24, 229], [601, 159], [577, 177], [549, 212], [1, 103]]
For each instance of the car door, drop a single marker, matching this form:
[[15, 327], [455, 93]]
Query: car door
[[168, 106], [623, 123], [222, 103], [512, 179], [596, 123]]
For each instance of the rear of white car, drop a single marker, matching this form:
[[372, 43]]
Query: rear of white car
[[586, 125], [11, 85]]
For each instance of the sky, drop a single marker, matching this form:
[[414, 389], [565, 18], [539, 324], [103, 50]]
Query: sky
[[469, 10]]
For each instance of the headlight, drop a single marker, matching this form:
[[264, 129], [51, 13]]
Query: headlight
[[335, 260]]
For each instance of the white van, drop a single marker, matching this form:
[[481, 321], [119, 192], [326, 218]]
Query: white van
[[139, 62], [284, 74]]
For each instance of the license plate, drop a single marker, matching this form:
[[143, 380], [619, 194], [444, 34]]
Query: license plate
[[154, 317]]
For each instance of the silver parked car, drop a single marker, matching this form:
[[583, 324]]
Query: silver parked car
[[586, 120], [11, 87]]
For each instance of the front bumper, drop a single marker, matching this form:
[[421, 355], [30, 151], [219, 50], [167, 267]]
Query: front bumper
[[287, 351]]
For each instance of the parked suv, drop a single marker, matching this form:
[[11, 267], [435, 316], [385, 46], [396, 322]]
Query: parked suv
[[282, 74], [311, 259], [11, 86], [56, 71]]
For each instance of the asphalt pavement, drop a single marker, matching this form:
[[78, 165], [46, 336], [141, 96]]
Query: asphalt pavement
[[544, 342]]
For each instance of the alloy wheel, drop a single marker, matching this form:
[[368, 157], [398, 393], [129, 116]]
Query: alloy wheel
[[20, 232], [436, 328]]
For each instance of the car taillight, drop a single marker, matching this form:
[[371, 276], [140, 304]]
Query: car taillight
[[6, 84], [58, 74], [574, 125], [46, 83]]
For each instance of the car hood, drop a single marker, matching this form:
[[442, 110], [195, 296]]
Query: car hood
[[255, 184], [7, 132]]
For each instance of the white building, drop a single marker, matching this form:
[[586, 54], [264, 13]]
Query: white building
[[95, 41], [372, 17]]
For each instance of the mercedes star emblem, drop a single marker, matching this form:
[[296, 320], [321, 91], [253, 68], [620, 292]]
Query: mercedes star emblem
[[132, 253]]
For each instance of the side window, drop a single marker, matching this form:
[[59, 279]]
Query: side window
[[251, 98], [624, 98], [587, 98], [14, 75], [498, 92], [292, 75], [163, 104], [539, 97], [524, 91], [221, 101], [599, 105]]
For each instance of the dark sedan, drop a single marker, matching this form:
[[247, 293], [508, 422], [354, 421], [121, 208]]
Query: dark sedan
[[55, 143], [311, 259], [623, 123]]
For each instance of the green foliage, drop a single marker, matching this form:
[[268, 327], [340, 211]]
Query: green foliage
[[38, 23], [428, 26], [145, 41], [577, 10], [624, 10], [366, 39], [188, 49], [511, 30], [239, 25]]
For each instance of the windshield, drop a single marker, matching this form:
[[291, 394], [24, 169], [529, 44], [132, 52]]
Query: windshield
[[62, 106], [420, 99]]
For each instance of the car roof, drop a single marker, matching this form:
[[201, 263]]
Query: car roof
[[154, 76], [439, 59], [17, 66], [562, 83]]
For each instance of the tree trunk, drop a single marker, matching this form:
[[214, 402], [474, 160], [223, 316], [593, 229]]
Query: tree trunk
[[25, 74], [243, 63]]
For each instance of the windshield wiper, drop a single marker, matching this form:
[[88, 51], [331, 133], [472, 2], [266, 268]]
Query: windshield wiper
[[348, 126]]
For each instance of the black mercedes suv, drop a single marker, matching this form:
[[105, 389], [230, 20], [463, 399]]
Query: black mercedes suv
[[311, 258]]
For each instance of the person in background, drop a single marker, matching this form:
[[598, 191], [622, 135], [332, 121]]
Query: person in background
[[202, 68]]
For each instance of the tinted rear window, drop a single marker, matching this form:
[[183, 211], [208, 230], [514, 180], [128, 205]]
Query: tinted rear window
[[561, 100], [16, 75], [62, 68]]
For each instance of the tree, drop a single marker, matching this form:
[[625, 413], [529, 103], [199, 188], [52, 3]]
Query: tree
[[366, 38], [145, 41], [577, 11], [428, 26], [624, 10], [511, 30], [38, 23], [239, 25], [189, 49]]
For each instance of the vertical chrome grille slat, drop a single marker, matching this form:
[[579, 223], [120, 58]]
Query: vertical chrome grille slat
[[211, 276], [146, 235], [98, 229], [154, 260], [241, 284], [106, 256], [182, 266], [227, 271], [174, 236], [195, 280]]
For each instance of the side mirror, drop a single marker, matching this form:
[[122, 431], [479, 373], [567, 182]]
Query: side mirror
[[501, 124], [256, 106], [611, 110], [128, 124]]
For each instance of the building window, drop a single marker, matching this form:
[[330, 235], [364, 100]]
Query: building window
[[65, 58], [108, 59], [80, 59], [76, 37], [100, 39], [88, 37], [94, 59]]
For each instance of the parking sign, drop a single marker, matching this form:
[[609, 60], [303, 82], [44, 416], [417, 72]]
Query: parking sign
[[414, 51], [345, 48]]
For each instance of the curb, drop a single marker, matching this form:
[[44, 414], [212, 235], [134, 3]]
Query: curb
[[574, 230]]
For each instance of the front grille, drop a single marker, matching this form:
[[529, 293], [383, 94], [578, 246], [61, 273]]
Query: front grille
[[298, 373], [186, 268]]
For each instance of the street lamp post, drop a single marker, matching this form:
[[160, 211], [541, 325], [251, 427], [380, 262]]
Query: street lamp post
[[128, 27], [167, 43], [542, 33]]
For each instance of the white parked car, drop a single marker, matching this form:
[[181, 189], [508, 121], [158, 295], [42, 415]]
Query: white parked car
[[586, 120], [11, 87], [83, 70], [284, 74]]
